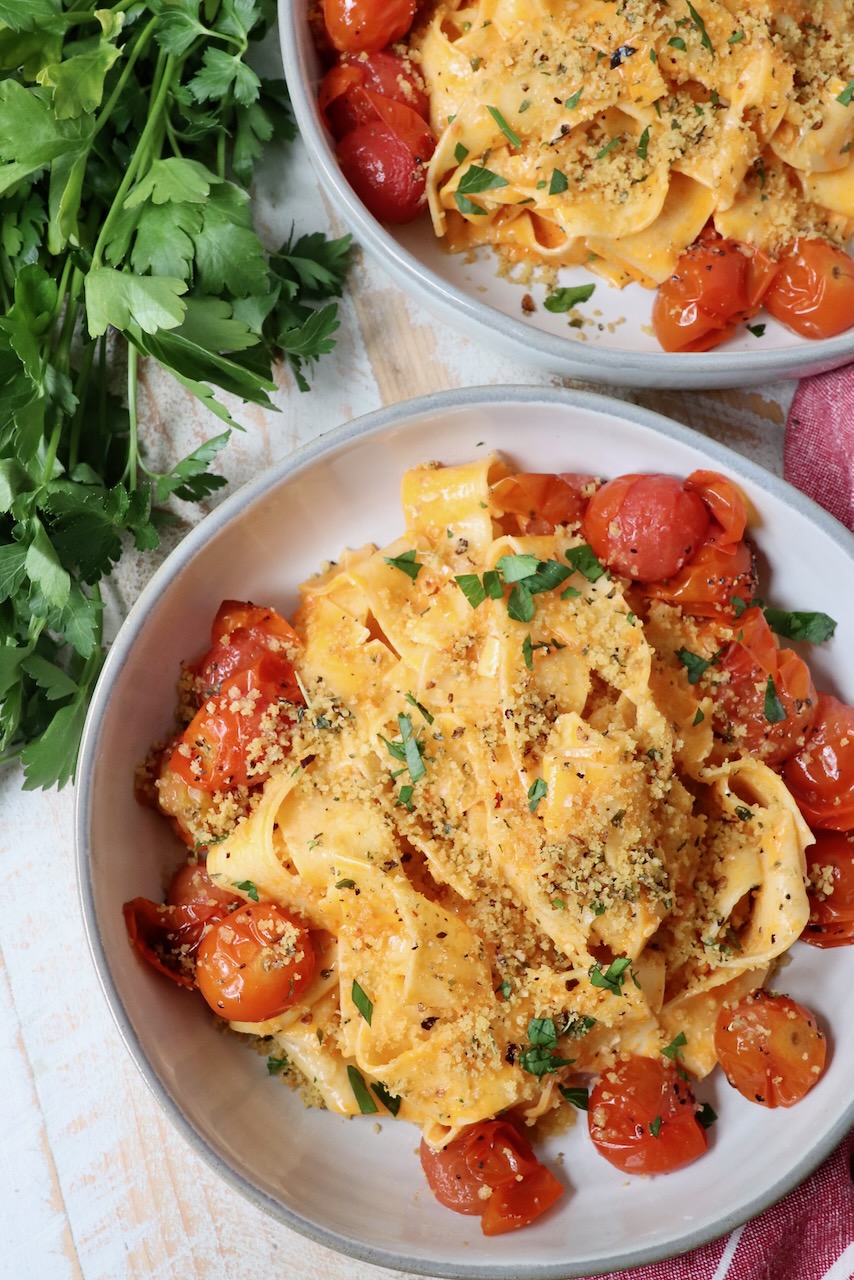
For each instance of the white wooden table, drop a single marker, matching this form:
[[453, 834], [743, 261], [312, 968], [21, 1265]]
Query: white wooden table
[[94, 1182]]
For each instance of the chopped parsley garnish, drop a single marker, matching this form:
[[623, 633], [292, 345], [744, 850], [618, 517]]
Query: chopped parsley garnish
[[608, 147], [674, 1049], [411, 699], [460, 153], [846, 95], [775, 712], [406, 562], [345, 884], [505, 990], [275, 1066], [249, 888], [739, 35], [512, 138], [583, 559], [404, 798], [698, 717], [612, 978], [655, 1126], [756, 329], [693, 664], [560, 301], [408, 749], [537, 790], [472, 588], [366, 1104], [389, 1100], [742, 812], [362, 1002], [520, 606], [643, 143], [813, 627], [476, 179], [573, 101], [738, 605], [706, 1115], [676, 42], [578, 1096], [541, 1057], [558, 184], [701, 27]]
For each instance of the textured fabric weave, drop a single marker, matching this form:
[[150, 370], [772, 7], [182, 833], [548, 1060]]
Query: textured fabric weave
[[818, 455]]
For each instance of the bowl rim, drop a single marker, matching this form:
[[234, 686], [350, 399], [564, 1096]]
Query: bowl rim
[[402, 415], [624, 367]]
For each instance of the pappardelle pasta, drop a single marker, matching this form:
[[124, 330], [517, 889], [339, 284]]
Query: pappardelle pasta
[[627, 138], [504, 815]]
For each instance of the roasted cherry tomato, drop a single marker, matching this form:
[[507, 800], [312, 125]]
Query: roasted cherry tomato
[[707, 586], [343, 106], [770, 1048], [168, 934], [821, 775], [541, 501], [241, 632], [645, 526], [813, 290], [357, 26], [726, 503], [254, 963], [223, 746], [830, 867], [491, 1170], [642, 1117], [385, 160], [769, 702], [717, 285]]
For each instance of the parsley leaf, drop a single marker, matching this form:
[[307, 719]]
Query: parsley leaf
[[128, 146], [561, 300], [406, 562], [812, 627]]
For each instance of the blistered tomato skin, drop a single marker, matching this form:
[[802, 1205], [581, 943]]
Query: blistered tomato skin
[[830, 871], [254, 963], [770, 1048], [813, 290], [366, 26], [821, 775], [384, 172], [645, 527], [642, 1117]]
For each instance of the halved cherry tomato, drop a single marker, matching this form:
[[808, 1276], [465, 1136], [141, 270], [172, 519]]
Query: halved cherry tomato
[[220, 749], [541, 501], [813, 290], [830, 867], [717, 284], [385, 160], [708, 584], [356, 26], [383, 73], [769, 702], [645, 526], [770, 1047], [241, 632], [821, 775], [254, 963], [642, 1117], [168, 934], [491, 1170]]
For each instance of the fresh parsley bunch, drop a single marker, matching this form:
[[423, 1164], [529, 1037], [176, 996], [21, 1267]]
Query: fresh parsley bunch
[[128, 135]]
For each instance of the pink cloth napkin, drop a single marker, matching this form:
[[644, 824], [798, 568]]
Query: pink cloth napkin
[[808, 1235], [818, 455]]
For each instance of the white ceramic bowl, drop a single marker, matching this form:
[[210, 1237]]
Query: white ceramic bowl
[[469, 295], [335, 1180]]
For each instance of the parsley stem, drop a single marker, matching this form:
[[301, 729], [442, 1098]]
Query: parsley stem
[[139, 47], [163, 81], [133, 451]]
